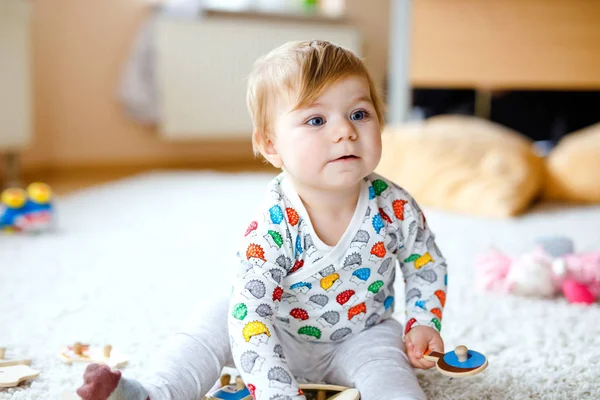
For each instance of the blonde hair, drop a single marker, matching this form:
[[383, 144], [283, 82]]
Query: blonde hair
[[306, 69]]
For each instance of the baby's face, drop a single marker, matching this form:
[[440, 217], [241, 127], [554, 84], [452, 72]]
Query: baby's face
[[332, 143]]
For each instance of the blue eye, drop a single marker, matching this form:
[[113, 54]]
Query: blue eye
[[358, 115], [315, 121]]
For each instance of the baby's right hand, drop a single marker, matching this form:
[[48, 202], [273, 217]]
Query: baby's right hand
[[99, 381]]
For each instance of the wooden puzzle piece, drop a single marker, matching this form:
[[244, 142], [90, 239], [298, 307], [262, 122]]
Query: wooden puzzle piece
[[459, 363], [239, 391], [84, 353], [15, 374], [6, 362]]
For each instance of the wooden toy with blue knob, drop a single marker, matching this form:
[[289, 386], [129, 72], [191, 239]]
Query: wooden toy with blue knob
[[459, 363]]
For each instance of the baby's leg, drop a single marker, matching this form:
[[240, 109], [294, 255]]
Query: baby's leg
[[192, 360], [374, 362]]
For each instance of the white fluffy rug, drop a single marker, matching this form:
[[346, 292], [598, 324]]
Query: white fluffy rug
[[131, 258]]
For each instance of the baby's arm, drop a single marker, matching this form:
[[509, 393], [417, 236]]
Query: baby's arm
[[256, 349], [424, 269]]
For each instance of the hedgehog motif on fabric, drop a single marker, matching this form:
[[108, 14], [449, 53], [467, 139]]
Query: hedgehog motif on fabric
[[274, 239], [357, 313], [239, 311], [277, 293], [384, 216], [372, 320], [441, 295], [297, 265], [391, 242], [437, 312], [278, 350], [412, 228], [324, 272], [340, 334], [256, 332], [301, 287], [436, 323], [377, 223], [275, 215], [361, 276], [413, 293], [318, 300], [427, 275], [371, 192], [309, 245], [251, 362], [380, 187], [255, 254], [331, 282], [420, 235], [274, 275], [251, 230], [360, 240], [289, 298], [380, 297], [298, 248], [292, 215], [264, 310], [353, 261], [284, 262], [374, 288], [388, 302], [367, 215], [310, 332], [398, 207], [377, 252], [279, 378], [299, 314], [347, 298], [384, 268], [329, 318], [254, 289]]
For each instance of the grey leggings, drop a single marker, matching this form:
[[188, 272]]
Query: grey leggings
[[373, 361]]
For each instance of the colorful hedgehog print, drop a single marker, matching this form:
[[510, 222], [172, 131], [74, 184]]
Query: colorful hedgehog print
[[274, 239], [331, 282], [289, 298], [360, 276], [301, 287], [275, 215], [380, 187], [277, 293], [398, 207], [284, 262], [412, 293], [293, 217], [297, 265], [255, 254], [377, 252], [372, 320], [357, 313], [385, 266], [298, 248], [318, 301], [274, 275], [347, 298], [388, 302], [377, 223], [310, 332], [278, 350], [299, 314], [251, 230], [239, 311], [374, 288], [264, 310], [384, 216], [423, 260], [256, 332], [427, 275]]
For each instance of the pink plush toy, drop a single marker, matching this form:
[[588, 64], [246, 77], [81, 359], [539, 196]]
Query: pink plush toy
[[552, 267]]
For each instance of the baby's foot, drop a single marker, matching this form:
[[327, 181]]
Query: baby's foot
[[102, 383]]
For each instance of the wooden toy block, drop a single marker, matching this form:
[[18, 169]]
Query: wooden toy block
[[85, 353], [15, 374], [459, 363], [6, 362]]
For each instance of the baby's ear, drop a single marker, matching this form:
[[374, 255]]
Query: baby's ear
[[270, 153]]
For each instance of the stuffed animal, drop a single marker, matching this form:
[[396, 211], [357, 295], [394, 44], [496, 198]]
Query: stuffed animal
[[551, 268]]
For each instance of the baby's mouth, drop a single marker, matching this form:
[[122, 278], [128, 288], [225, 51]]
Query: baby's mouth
[[348, 157]]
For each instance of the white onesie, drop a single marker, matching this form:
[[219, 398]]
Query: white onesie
[[292, 280]]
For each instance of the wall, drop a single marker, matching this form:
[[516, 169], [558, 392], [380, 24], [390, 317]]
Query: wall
[[79, 48]]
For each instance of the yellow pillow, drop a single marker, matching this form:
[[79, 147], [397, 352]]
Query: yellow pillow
[[573, 167], [463, 164]]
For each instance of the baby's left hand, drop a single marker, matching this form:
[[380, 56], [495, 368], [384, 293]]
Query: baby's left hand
[[417, 341]]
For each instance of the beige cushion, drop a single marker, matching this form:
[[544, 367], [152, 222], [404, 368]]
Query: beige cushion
[[574, 167], [463, 164]]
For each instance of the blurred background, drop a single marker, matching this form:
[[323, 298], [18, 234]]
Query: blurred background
[[96, 90]]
